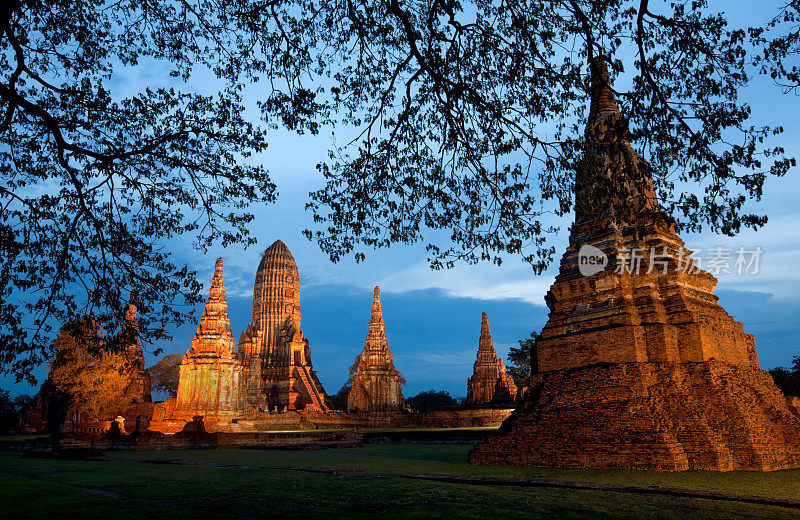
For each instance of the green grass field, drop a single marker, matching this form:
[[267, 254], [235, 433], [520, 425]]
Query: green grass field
[[129, 487]]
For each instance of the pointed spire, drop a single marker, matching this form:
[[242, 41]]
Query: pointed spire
[[130, 333], [376, 384], [130, 311], [612, 179], [377, 312], [217, 291], [214, 329], [485, 343], [377, 328], [489, 381], [603, 104]]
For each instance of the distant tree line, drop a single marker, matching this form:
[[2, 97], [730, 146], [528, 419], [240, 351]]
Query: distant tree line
[[430, 400], [788, 379], [11, 408]]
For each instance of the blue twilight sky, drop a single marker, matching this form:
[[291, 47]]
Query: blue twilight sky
[[433, 317]]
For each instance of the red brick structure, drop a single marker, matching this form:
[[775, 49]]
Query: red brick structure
[[140, 384], [376, 385], [210, 371], [639, 366], [276, 357], [489, 384]]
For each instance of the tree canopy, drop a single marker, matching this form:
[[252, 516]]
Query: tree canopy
[[780, 53], [471, 117], [788, 379], [339, 399], [429, 400], [165, 374], [522, 360], [98, 173], [464, 118], [93, 379]]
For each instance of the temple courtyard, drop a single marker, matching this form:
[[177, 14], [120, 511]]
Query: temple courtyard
[[392, 480]]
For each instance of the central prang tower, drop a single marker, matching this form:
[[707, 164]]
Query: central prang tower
[[278, 374]]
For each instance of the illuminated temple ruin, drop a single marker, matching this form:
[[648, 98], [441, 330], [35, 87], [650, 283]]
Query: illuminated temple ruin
[[639, 366], [268, 381], [274, 353], [636, 367], [376, 386], [210, 372], [270, 371], [489, 384]]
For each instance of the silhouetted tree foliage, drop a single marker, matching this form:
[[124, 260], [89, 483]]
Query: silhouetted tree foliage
[[165, 374], [11, 408], [522, 360], [788, 379], [24, 401], [8, 412], [782, 47], [97, 173], [339, 399], [432, 400], [469, 118]]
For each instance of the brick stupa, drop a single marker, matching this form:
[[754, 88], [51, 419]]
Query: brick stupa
[[376, 385], [139, 384], [276, 357], [210, 372], [639, 368], [489, 384]]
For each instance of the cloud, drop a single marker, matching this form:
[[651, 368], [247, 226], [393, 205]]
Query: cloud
[[778, 273], [482, 282]]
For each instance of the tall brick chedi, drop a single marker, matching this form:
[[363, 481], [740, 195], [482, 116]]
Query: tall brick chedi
[[489, 383], [639, 366], [276, 358], [210, 371], [376, 385]]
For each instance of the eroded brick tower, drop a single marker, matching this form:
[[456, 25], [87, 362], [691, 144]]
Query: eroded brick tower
[[489, 384], [138, 388], [274, 353], [639, 366], [210, 372], [376, 385]]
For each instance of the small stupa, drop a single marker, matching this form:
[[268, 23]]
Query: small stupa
[[489, 384], [376, 385], [210, 371]]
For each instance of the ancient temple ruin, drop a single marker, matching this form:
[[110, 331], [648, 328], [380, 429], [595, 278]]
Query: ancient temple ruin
[[139, 384], [639, 366], [52, 410], [210, 371], [276, 357], [376, 386], [489, 384]]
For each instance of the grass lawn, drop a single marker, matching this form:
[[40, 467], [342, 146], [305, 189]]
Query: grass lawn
[[36, 488], [451, 459]]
